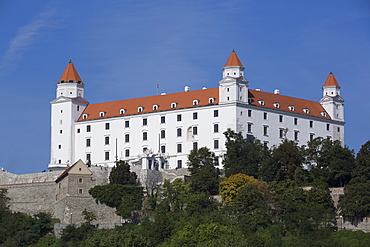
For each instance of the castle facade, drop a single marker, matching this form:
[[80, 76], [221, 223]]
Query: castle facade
[[159, 131]]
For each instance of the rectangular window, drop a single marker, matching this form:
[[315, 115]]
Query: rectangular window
[[265, 130], [127, 153], [88, 157], [145, 121], [249, 113], [163, 149], [195, 145], [215, 128], [107, 140], [127, 138], [179, 164], [249, 128], [163, 134], [163, 119], [215, 113], [327, 126], [311, 124], [215, 144], [79, 191], [59, 146], [80, 180], [281, 133], [179, 132], [338, 129], [195, 115], [145, 136], [265, 115], [88, 128], [88, 142], [312, 136], [296, 135], [178, 117], [195, 130], [127, 123], [281, 118], [179, 148], [107, 126], [106, 155], [295, 121]]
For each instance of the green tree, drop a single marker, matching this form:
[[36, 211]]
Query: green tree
[[204, 174], [245, 156], [362, 168], [121, 174], [354, 204], [287, 161], [88, 216], [230, 186]]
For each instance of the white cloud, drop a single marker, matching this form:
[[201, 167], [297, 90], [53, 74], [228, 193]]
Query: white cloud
[[24, 39]]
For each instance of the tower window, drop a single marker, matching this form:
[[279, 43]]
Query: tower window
[[295, 121], [195, 145], [127, 138], [59, 146], [281, 133], [163, 149], [88, 157], [78, 131], [106, 140], [195, 115], [311, 124], [249, 113], [296, 135], [178, 117], [215, 144], [61, 131], [107, 126], [265, 115], [163, 119], [106, 155], [179, 164], [163, 134], [215, 113], [78, 108], [88, 142], [88, 128], [179, 132], [145, 136], [127, 153], [249, 127], [280, 118], [195, 130], [145, 121], [328, 127], [311, 136], [179, 148], [215, 128], [127, 123], [265, 130]]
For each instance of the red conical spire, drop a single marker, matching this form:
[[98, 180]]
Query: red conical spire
[[70, 74], [331, 81], [233, 60]]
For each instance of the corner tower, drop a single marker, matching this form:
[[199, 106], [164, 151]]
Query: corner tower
[[332, 102], [65, 111], [233, 87]]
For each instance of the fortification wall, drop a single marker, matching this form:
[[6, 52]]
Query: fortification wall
[[31, 198]]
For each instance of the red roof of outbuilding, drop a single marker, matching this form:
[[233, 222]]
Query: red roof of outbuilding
[[70, 74], [331, 81], [233, 60]]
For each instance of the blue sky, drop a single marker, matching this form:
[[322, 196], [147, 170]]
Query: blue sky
[[122, 48]]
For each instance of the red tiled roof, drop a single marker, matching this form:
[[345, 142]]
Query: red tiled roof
[[185, 100], [70, 74], [164, 102], [331, 81], [284, 102], [233, 60]]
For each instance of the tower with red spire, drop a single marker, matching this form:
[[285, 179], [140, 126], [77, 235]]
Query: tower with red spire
[[233, 88], [65, 111]]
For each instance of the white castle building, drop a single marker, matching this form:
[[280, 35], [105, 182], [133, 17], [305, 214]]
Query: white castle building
[[159, 131]]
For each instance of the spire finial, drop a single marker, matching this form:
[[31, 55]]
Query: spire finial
[[70, 60]]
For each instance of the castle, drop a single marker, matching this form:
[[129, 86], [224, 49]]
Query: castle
[[155, 134], [158, 132]]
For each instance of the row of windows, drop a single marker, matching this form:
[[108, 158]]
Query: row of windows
[[249, 127], [145, 135], [145, 121]]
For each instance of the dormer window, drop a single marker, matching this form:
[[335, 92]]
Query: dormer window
[[122, 111], [155, 107], [261, 102], [85, 116], [277, 105], [211, 100], [140, 109], [102, 114], [291, 107], [195, 102], [323, 114], [173, 105], [306, 110]]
